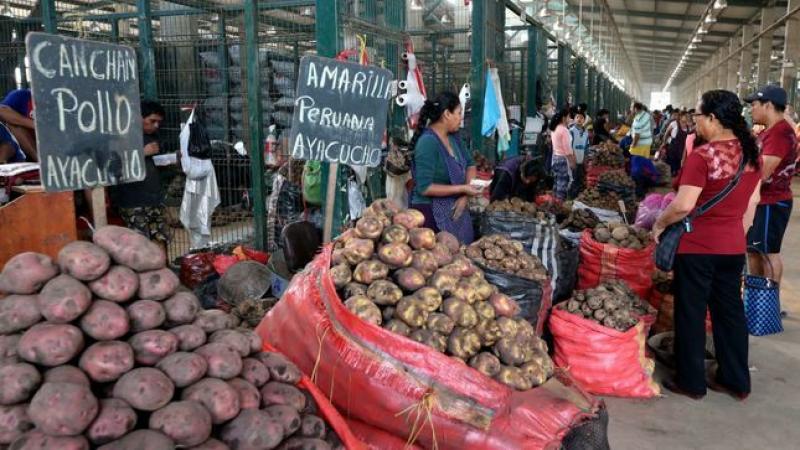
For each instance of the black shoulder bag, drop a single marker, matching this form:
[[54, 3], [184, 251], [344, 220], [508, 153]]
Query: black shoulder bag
[[671, 236]]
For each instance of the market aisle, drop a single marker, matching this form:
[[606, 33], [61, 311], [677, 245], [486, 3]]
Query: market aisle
[[768, 419]]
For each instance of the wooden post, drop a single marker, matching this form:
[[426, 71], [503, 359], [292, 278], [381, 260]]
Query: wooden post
[[98, 205], [330, 201]]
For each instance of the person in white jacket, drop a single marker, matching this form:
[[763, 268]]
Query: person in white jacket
[[201, 193]]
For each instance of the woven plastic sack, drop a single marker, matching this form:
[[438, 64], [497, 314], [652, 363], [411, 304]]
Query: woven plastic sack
[[407, 389], [602, 360], [533, 297], [605, 215], [568, 256], [601, 262]]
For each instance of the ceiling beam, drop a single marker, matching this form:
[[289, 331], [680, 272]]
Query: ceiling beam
[[671, 16]]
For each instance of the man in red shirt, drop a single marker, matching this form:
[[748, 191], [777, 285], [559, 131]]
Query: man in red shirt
[[779, 152]]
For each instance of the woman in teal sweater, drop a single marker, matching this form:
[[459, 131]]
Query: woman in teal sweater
[[443, 168]]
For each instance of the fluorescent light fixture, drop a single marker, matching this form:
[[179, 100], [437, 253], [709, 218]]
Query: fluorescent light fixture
[[720, 4], [710, 19], [445, 18], [416, 5], [702, 30], [697, 39], [6, 11]]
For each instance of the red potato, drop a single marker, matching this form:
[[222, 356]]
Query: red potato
[[145, 315], [115, 419], [145, 389], [129, 248], [297, 443], [18, 312], [105, 321], [49, 344], [63, 409], [14, 422], [83, 260], [218, 397], [211, 444], [150, 346], [26, 273], [182, 308], [157, 284], [141, 440], [63, 299], [223, 361], [287, 416], [118, 285], [449, 240], [312, 427], [280, 368], [232, 338], [504, 306], [18, 382], [255, 372], [66, 374], [252, 430], [36, 440], [276, 393], [211, 320], [249, 396], [183, 368], [8, 348], [186, 422], [189, 337], [256, 345], [106, 361]]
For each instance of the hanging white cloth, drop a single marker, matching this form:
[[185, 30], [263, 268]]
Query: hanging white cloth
[[200, 194], [503, 130]]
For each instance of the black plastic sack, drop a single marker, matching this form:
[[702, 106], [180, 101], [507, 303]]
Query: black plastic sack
[[199, 142], [567, 256], [528, 294], [626, 193], [207, 293]]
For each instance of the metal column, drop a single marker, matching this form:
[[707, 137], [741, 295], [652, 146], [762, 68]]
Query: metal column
[[580, 82], [791, 52], [255, 122], [478, 73], [433, 66], [147, 59], [49, 16], [563, 76], [745, 62], [395, 17], [590, 91], [768, 16], [533, 64], [722, 69], [733, 65], [222, 50]]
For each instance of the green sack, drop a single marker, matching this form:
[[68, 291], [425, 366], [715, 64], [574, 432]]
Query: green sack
[[312, 182]]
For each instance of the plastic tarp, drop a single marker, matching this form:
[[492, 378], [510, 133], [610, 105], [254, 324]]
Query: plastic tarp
[[601, 262], [533, 297], [602, 360], [407, 389]]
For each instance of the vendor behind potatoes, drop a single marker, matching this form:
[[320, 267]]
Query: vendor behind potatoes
[[443, 168], [517, 177]]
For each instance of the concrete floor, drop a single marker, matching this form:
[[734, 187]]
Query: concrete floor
[[768, 419]]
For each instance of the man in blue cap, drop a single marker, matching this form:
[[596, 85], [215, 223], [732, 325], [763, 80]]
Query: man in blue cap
[[779, 153]]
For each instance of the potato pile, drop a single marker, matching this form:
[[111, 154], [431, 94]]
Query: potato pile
[[664, 173], [393, 273], [617, 178], [504, 255], [596, 199], [607, 155], [580, 219], [662, 281], [612, 304], [622, 235], [102, 348], [519, 206]]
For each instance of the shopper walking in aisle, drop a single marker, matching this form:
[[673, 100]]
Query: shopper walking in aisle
[[643, 171], [580, 143], [676, 143], [564, 162], [710, 257], [779, 150], [141, 204], [443, 168]]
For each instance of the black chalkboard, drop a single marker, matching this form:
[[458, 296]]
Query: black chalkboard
[[340, 112], [87, 112]]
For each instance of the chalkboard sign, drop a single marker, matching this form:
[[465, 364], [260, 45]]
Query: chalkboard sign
[[87, 112], [340, 112]]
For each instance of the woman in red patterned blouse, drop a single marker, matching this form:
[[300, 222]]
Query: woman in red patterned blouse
[[710, 258]]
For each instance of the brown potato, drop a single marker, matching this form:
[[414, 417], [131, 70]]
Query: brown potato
[[252, 429], [234, 339], [157, 284], [280, 368], [384, 293], [296, 443], [395, 255], [83, 260], [363, 307], [395, 234], [341, 275], [409, 279], [256, 345], [442, 255], [444, 281], [211, 320], [145, 388], [484, 310], [489, 331], [14, 422], [185, 422], [63, 409], [449, 240], [18, 312], [514, 378], [249, 395], [224, 362], [146, 315], [353, 289], [358, 250], [370, 271], [26, 273], [412, 311], [140, 440], [440, 323], [106, 361], [66, 374], [410, 219], [8, 348], [182, 308], [189, 337], [504, 305], [486, 363], [254, 372], [49, 344], [508, 327], [63, 299], [463, 343], [36, 440], [129, 248], [421, 238], [183, 368], [118, 285], [312, 427], [462, 313], [150, 346], [105, 321], [535, 374], [425, 262], [512, 351], [430, 338], [218, 397], [430, 297], [369, 228], [287, 416], [397, 326], [18, 382], [115, 419], [277, 393]]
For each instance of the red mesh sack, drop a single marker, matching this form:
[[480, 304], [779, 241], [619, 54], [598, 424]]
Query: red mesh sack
[[593, 174], [407, 389], [602, 360], [601, 262], [196, 268], [377, 439], [224, 262]]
